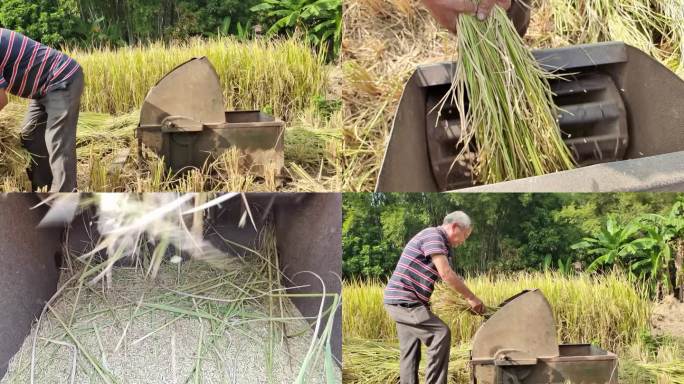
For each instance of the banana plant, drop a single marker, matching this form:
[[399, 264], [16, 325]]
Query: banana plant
[[663, 233], [321, 20], [645, 248], [611, 245]]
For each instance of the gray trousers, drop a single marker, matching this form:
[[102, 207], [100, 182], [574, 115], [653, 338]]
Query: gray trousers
[[49, 134], [415, 326]]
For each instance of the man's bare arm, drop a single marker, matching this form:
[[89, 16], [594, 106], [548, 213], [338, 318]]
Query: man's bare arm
[[3, 99], [456, 282]]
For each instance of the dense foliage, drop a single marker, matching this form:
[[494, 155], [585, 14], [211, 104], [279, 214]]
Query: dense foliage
[[512, 232], [320, 20], [87, 23], [648, 248]]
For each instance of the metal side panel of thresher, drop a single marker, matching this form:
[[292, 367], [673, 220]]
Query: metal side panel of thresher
[[622, 117], [28, 270]]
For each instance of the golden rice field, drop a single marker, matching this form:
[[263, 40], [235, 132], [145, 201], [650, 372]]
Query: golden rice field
[[607, 311], [283, 77]]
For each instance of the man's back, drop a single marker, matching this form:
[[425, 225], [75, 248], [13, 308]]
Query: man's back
[[29, 69], [414, 277]]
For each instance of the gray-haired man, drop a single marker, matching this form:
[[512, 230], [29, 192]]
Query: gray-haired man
[[425, 259]]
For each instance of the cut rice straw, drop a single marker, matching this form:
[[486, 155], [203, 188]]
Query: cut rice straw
[[507, 104], [260, 299]]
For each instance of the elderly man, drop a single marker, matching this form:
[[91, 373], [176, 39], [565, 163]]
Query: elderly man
[[54, 84], [425, 259]]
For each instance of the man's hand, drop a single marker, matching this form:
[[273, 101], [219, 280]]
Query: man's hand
[[476, 305], [485, 7], [3, 99], [456, 283], [446, 12]]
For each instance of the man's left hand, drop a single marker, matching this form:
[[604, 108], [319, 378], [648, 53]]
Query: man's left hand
[[485, 7], [476, 305]]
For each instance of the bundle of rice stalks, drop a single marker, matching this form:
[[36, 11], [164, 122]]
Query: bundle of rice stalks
[[376, 362], [653, 360], [105, 133], [509, 116], [457, 304]]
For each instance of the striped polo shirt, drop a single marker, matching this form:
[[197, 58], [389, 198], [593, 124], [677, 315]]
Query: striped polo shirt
[[415, 275], [29, 69]]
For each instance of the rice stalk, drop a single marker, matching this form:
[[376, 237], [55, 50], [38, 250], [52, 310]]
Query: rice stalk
[[457, 304], [504, 96], [608, 311], [277, 75]]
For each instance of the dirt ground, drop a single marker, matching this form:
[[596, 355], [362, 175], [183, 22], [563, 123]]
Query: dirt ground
[[668, 317]]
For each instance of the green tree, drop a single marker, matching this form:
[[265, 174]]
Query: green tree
[[52, 22]]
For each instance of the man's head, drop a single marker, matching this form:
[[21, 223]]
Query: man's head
[[458, 227]]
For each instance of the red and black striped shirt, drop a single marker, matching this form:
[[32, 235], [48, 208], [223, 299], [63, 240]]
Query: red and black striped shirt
[[29, 69], [414, 277]]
